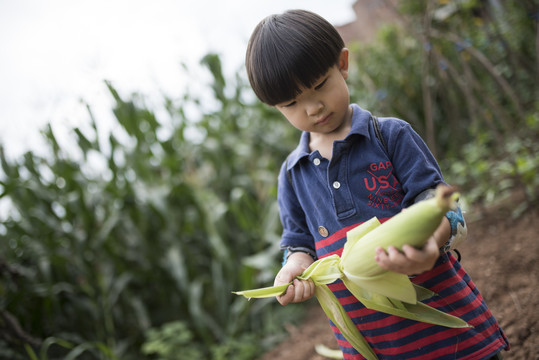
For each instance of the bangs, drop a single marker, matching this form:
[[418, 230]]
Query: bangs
[[289, 52]]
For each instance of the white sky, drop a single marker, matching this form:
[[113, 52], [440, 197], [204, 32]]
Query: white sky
[[54, 53]]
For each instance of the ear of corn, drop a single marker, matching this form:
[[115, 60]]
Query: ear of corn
[[373, 286], [413, 227], [353, 236]]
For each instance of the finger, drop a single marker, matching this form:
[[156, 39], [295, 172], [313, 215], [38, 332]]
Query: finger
[[428, 252], [433, 252], [313, 288], [384, 260], [288, 296], [412, 253], [308, 291], [299, 287], [396, 257], [303, 290], [432, 245], [380, 255], [425, 258]]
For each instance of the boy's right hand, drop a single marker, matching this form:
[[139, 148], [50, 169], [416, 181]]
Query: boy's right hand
[[300, 290]]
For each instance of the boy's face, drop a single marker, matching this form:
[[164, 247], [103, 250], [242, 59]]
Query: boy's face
[[325, 107]]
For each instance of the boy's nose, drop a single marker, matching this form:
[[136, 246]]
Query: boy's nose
[[315, 108]]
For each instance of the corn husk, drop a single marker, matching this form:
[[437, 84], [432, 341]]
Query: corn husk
[[328, 353], [374, 287]]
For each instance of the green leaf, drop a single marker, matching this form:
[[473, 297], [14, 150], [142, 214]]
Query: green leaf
[[418, 311], [327, 352], [388, 283], [353, 236], [261, 293], [340, 318], [323, 271]]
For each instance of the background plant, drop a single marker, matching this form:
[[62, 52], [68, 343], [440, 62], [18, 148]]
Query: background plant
[[154, 225], [464, 74]]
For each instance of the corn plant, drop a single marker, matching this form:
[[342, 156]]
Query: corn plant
[[110, 237]]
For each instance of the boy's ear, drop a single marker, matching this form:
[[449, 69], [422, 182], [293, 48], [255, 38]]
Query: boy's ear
[[343, 62]]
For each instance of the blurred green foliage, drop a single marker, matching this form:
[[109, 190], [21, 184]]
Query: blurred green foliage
[[129, 246], [163, 233], [464, 74]]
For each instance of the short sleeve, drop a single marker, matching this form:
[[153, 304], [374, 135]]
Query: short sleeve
[[295, 230], [415, 166]]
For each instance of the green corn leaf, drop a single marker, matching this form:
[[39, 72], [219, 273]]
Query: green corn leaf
[[262, 293], [323, 271], [418, 311], [357, 233], [390, 284], [340, 318], [431, 315], [327, 352], [423, 293]]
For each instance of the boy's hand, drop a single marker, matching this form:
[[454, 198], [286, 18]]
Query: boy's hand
[[410, 261], [300, 290]]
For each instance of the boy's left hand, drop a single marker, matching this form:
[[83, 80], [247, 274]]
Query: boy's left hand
[[409, 261]]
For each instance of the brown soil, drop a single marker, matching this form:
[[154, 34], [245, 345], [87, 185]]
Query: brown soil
[[501, 257]]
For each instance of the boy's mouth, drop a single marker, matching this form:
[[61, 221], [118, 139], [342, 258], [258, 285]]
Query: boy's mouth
[[324, 120]]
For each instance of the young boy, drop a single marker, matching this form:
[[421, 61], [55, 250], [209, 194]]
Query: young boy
[[342, 174]]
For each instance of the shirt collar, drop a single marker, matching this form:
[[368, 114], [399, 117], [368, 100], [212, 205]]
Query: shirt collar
[[359, 126]]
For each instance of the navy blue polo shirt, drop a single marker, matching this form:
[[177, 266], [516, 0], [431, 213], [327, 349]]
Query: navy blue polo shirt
[[362, 180]]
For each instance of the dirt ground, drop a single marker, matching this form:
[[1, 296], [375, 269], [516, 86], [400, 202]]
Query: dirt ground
[[501, 255]]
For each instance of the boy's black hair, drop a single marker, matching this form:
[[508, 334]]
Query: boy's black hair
[[289, 51]]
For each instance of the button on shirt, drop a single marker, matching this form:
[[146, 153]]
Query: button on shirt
[[362, 179]]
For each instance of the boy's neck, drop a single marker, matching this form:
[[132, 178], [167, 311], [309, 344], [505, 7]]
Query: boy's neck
[[323, 142]]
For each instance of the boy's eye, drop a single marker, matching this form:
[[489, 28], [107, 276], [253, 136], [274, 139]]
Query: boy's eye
[[290, 104], [319, 86]]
